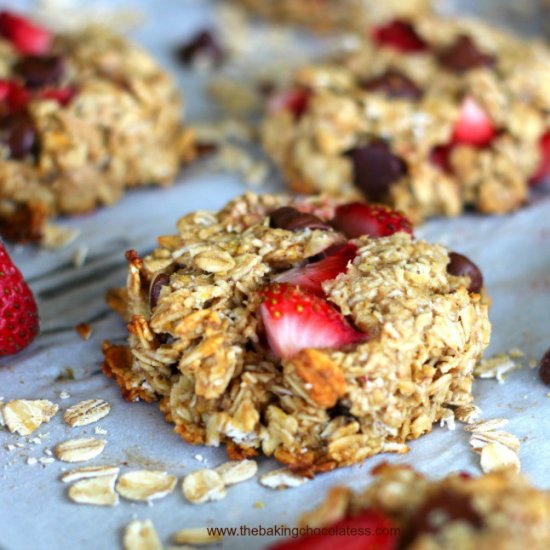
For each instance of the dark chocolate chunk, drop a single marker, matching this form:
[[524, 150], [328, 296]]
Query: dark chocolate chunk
[[19, 134], [544, 368], [291, 219], [375, 169], [461, 265], [38, 71], [204, 44], [464, 55], [160, 280], [394, 84]]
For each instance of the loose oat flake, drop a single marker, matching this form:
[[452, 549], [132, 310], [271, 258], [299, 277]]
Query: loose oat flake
[[237, 472], [496, 456], [98, 491], [24, 416], [141, 535], [86, 412], [89, 472], [145, 485], [282, 478], [80, 450], [203, 486], [198, 535]]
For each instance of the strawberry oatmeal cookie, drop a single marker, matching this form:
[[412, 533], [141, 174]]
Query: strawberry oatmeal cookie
[[402, 509], [335, 14], [427, 115], [317, 332], [82, 117]]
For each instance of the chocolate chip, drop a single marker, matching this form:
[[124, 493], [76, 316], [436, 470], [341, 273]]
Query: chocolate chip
[[439, 509], [38, 71], [19, 134], [544, 368], [375, 169], [464, 55], [202, 45], [160, 280], [393, 84], [291, 219], [460, 265]]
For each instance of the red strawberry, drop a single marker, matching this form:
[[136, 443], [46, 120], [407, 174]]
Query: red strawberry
[[367, 531], [474, 127], [16, 96], [359, 218], [440, 157], [62, 95], [27, 37], [296, 319], [296, 101], [18, 311], [543, 169], [399, 35], [312, 275]]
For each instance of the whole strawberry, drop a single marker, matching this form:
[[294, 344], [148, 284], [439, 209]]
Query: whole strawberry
[[18, 312]]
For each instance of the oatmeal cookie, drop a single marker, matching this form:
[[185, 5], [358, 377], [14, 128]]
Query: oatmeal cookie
[[82, 117], [317, 332], [334, 14], [404, 509], [428, 115]]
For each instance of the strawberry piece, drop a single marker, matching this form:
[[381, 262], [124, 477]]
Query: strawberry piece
[[440, 157], [62, 95], [296, 319], [16, 96], [311, 276], [474, 127], [543, 169], [367, 531], [296, 101], [399, 35], [27, 37], [18, 311], [359, 218]]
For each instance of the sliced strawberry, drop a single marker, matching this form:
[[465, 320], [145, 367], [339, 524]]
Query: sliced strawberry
[[311, 276], [400, 35], [27, 37], [62, 95], [296, 319], [359, 218], [16, 96], [474, 127], [295, 101], [367, 531], [440, 157], [543, 169]]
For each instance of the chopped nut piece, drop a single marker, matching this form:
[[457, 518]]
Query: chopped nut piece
[[496, 456], [86, 412], [237, 471], [25, 416], [141, 535], [203, 486], [282, 478], [89, 472], [84, 330], [99, 491], [80, 450], [198, 535], [145, 485]]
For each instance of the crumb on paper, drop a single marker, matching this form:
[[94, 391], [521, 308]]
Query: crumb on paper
[[497, 367], [84, 330]]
